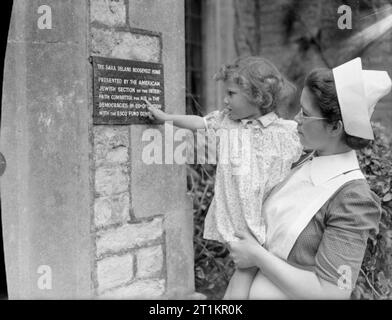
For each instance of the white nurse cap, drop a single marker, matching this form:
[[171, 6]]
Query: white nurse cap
[[358, 93]]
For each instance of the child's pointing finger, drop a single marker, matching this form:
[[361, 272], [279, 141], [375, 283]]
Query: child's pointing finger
[[148, 106], [148, 103]]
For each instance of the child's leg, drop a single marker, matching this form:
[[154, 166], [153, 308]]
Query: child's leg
[[240, 283]]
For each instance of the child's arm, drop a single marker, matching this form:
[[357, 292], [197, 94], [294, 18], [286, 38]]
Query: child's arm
[[183, 121], [240, 284]]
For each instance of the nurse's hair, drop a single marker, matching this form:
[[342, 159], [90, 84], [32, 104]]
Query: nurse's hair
[[261, 82], [321, 85]]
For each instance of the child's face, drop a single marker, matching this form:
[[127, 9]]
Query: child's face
[[238, 104]]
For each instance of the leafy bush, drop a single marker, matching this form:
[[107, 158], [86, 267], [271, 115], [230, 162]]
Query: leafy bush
[[213, 266], [375, 278]]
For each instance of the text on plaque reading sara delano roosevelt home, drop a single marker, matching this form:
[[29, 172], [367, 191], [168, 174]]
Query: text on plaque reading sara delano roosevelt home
[[120, 88]]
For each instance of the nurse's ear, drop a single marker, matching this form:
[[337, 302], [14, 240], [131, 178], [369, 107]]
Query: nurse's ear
[[336, 129]]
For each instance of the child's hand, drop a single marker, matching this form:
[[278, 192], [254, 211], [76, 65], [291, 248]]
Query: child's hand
[[156, 114], [244, 250]]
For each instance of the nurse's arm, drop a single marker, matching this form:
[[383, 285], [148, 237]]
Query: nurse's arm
[[296, 283]]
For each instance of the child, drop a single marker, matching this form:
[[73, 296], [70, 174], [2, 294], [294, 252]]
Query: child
[[256, 93]]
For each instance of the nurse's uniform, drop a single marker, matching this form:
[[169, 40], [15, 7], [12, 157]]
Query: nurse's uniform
[[321, 216], [319, 219]]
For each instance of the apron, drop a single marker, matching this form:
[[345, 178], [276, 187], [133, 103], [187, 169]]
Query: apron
[[283, 230], [286, 220]]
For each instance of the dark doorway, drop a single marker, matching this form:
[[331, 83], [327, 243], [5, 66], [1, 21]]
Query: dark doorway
[[5, 21], [193, 57]]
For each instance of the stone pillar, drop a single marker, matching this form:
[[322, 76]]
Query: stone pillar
[[77, 197], [46, 188]]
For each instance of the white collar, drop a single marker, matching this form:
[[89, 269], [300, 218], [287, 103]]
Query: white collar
[[265, 120], [324, 168]]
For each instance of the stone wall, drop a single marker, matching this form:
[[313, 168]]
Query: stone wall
[[83, 216], [142, 218]]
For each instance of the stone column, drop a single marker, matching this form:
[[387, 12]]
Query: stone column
[[46, 188], [77, 198]]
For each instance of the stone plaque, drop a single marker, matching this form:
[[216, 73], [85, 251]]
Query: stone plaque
[[120, 87]]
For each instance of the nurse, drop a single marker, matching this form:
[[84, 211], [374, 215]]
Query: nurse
[[320, 217]]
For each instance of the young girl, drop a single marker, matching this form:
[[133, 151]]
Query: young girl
[[256, 94]]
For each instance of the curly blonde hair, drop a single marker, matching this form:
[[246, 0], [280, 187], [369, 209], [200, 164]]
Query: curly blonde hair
[[260, 80]]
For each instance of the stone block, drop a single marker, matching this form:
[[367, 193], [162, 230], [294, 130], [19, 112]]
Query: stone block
[[111, 210], [111, 180], [109, 12], [105, 155], [140, 289], [125, 45], [112, 136], [110, 145], [128, 236], [144, 14], [159, 179], [114, 271], [149, 261]]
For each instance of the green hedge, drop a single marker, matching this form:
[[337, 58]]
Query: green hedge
[[213, 267]]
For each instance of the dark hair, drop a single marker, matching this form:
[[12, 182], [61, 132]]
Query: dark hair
[[321, 85], [261, 82]]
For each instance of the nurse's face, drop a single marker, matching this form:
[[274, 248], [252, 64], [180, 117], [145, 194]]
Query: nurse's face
[[312, 128]]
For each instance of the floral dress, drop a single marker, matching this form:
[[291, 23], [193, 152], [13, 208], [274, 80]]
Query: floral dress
[[253, 156]]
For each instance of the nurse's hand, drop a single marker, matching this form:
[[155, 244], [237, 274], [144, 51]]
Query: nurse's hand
[[244, 250]]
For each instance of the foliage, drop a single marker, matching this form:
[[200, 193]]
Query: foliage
[[213, 266], [375, 279]]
